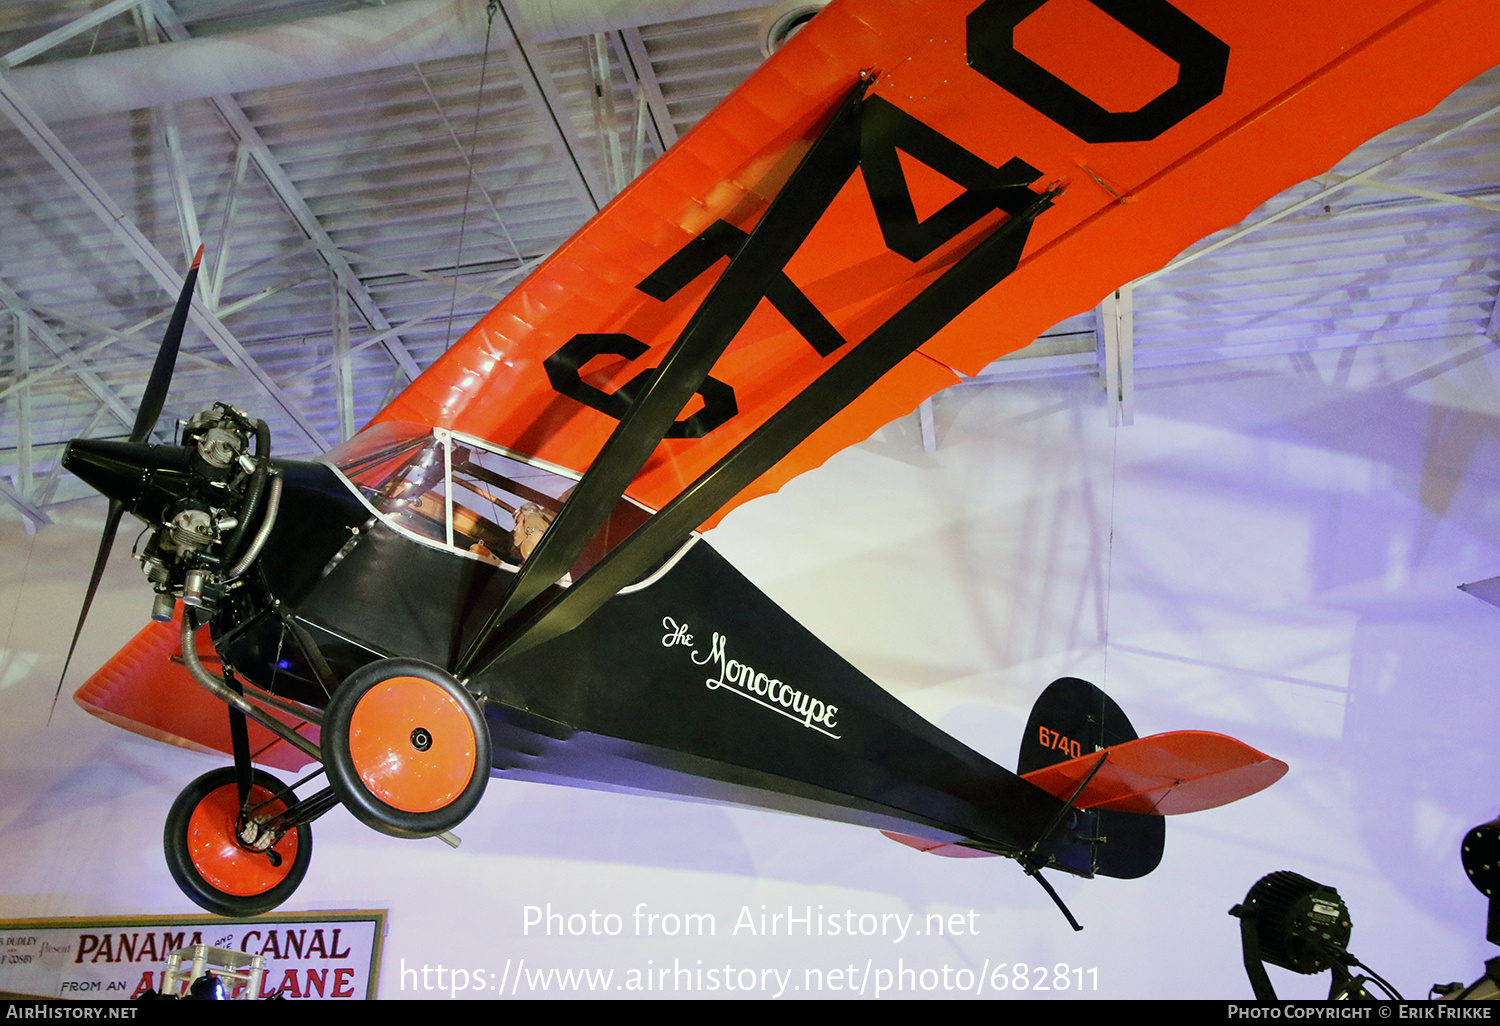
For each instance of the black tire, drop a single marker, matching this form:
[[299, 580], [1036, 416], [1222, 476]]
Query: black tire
[[208, 863], [406, 748]]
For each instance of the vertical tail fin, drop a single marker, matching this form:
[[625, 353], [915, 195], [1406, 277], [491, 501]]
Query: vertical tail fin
[[1071, 718], [1074, 718]]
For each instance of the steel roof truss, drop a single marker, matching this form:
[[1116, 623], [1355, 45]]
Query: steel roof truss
[[22, 402], [1115, 339], [606, 115], [344, 375], [1357, 178], [282, 185], [65, 357], [463, 155], [21, 54], [215, 283], [1417, 192], [182, 193], [34, 516], [447, 281], [139, 247], [638, 64], [546, 100]]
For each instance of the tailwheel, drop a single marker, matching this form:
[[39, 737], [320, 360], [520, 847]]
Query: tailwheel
[[406, 748], [219, 856]]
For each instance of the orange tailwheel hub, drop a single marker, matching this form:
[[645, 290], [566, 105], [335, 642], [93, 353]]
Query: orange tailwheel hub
[[218, 855], [208, 860]]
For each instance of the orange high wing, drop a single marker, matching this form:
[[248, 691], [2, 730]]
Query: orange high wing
[[1163, 126]]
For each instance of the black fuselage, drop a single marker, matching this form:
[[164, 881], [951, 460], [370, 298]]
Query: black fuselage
[[691, 682]]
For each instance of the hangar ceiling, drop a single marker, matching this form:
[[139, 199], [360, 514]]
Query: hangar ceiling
[[322, 149]]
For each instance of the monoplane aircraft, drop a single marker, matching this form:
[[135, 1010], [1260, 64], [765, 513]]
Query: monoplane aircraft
[[504, 574]]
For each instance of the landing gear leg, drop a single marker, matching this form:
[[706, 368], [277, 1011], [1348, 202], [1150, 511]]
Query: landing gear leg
[[227, 856]]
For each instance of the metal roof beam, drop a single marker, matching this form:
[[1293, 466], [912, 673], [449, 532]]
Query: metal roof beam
[[215, 284], [1417, 192], [43, 333], [463, 155], [606, 115], [546, 99], [343, 369], [182, 192], [435, 310], [1115, 333], [367, 38], [71, 360], [40, 46], [282, 185], [22, 403], [165, 118], [447, 281], [34, 516], [22, 407], [92, 193], [639, 64]]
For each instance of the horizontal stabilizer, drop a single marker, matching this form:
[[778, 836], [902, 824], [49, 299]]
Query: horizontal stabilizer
[[1487, 590], [943, 848], [1165, 774]]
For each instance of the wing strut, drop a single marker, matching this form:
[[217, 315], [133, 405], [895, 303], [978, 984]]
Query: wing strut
[[993, 259], [793, 212]]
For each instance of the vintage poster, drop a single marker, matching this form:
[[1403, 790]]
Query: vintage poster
[[309, 955]]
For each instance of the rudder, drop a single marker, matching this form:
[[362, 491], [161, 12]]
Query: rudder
[[1074, 718]]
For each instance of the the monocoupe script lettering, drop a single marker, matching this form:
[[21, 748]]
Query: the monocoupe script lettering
[[745, 681]]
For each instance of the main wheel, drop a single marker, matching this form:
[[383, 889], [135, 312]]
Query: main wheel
[[206, 857], [406, 748]]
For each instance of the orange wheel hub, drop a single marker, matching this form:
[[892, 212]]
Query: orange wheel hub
[[412, 744], [218, 856]]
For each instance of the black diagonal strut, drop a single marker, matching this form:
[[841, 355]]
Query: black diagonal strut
[[992, 260], [753, 270], [239, 737]]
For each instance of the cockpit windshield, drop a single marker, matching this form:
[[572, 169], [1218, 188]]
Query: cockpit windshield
[[466, 495]]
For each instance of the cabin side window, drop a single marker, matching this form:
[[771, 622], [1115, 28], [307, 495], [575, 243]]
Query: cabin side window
[[401, 474], [467, 496], [502, 505]]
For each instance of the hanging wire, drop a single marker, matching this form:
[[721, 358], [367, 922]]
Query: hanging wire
[[1109, 558], [465, 157], [463, 220]]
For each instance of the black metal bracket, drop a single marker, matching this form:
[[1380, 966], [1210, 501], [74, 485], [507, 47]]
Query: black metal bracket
[[1033, 866], [1071, 804], [303, 811], [1035, 872], [1255, 968]]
